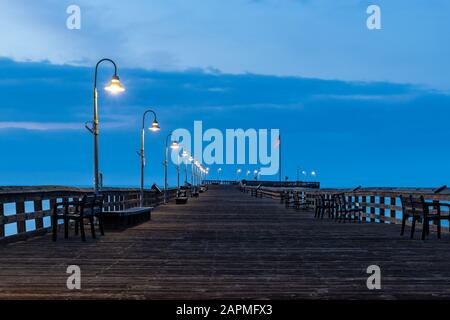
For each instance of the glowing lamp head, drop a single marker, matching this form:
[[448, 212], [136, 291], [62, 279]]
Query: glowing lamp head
[[174, 145], [114, 86], [184, 154], [155, 126], [191, 158]]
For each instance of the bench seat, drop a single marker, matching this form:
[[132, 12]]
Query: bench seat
[[126, 218], [181, 200]]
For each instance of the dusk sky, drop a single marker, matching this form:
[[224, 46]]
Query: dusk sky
[[359, 106]]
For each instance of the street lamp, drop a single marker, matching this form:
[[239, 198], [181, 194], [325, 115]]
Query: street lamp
[[155, 128], [218, 173], [255, 175], [305, 174], [114, 86], [238, 171], [313, 174], [185, 156], [174, 145], [191, 160]]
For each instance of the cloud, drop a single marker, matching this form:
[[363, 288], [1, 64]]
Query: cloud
[[53, 126], [40, 126], [317, 39]]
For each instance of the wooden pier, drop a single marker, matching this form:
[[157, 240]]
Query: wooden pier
[[227, 244]]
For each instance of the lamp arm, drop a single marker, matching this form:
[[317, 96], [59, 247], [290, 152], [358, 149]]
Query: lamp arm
[[96, 69], [143, 117], [87, 126]]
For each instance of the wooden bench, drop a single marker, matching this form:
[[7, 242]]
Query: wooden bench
[[89, 207], [297, 201], [344, 210], [182, 197], [126, 218], [418, 209]]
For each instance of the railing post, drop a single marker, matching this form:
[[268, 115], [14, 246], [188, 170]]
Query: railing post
[[39, 221], [372, 209], [364, 208], [382, 211], [20, 211], [2, 225], [392, 212]]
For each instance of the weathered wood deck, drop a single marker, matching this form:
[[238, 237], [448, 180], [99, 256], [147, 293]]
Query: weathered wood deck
[[227, 244]]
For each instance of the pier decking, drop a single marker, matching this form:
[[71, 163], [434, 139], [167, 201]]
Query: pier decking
[[227, 244]]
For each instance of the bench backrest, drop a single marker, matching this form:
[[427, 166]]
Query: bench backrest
[[413, 205], [93, 204]]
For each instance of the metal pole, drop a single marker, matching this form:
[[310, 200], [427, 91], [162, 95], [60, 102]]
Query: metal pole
[[166, 163], [178, 173], [192, 174], [185, 172], [95, 123], [279, 139], [143, 153]]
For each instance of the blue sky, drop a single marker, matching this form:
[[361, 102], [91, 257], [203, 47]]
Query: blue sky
[[354, 105]]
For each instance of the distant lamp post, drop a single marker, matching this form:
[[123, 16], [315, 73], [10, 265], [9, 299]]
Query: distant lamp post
[[247, 173], [255, 175], [219, 171], [314, 174], [175, 146], [191, 161], [305, 175], [155, 128], [238, 171], [185, 156], [114, 86]]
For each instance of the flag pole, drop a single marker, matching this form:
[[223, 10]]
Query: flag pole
[[279, 140]]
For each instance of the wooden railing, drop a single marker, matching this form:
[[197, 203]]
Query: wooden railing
[[222, 182], [29, 208], [284, 184], [277, 184], [381, 205]]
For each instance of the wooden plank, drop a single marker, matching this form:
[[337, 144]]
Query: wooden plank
[[2, 225], [382, 202], [20, 210], [39, 221], [228, 245]]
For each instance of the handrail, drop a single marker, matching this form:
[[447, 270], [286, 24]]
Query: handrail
[[378, 204], [19, 205]]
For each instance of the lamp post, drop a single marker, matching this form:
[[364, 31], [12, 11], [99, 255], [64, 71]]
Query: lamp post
[[305, 174], [114, 86], [155, 128], [191, 160], [185, 156], [174, 145], [218, 173], [314, 174], [197, 167], [238, 171], [178, 173], [247, 173], [255, 175]]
